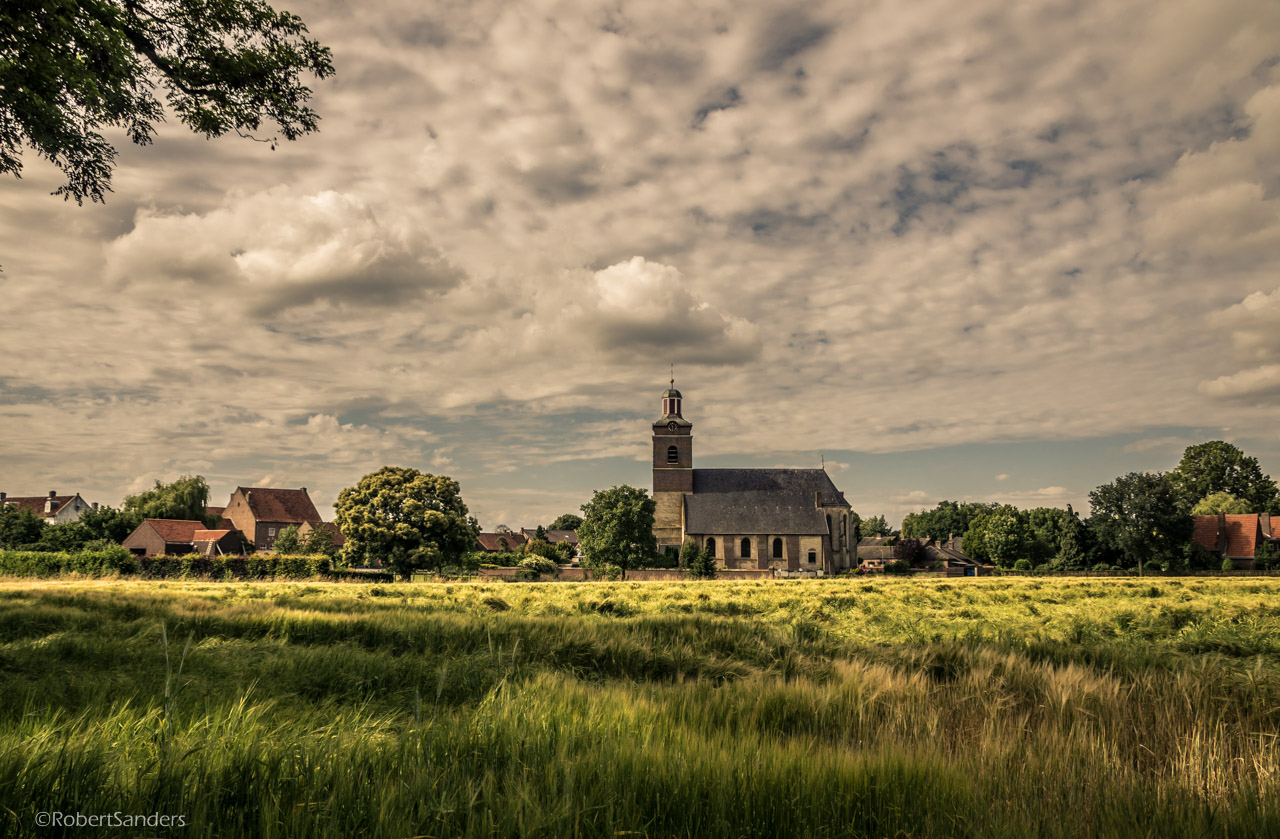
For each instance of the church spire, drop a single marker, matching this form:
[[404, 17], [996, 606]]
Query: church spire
[[671, 401]]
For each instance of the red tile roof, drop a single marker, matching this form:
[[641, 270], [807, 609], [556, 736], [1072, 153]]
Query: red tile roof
[[1204, 531], [291, 506], [208, 535], [36, 503], [489, 541], [214, 511], [1242, 535], [174, 530]]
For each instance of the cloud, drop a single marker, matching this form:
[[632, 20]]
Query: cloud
[[1259, 381], [1002, 476], [275, 250]]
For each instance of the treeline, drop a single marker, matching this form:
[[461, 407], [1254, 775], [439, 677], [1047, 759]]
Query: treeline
[[1142, 518]]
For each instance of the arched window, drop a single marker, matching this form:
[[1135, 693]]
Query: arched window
[[673, 454], [746, 548], [777, 549], [813, 556], [711, 546]]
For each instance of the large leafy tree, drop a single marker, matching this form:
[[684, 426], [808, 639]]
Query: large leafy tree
[[70, 68], [1141, 518], [406, 519], [617, 528], [566, 522], [108, 523], [187, 499], [1217, 466]]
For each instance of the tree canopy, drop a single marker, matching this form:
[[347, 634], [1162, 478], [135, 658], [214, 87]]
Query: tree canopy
[[1220, 502], [617, 528], [566, 522], [1217, 466], [187, 499], [1140, 518], [406, 519], [947, 519], [69, 68]]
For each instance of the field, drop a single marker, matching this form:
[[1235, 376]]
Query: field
[[964, 708]]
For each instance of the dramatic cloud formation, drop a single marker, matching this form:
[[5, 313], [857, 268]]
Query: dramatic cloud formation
[[878, 228]]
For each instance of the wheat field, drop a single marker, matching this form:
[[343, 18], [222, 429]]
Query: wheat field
[[860, 708]]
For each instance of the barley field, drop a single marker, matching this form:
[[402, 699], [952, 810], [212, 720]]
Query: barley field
[[897, 708]]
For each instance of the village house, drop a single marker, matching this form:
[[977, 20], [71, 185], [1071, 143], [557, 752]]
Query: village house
[[1236, 537], [787, 519], [260, 513], [53, 508], [160, 537]]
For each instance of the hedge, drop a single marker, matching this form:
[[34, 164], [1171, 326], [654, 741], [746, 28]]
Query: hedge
[[110, 563]]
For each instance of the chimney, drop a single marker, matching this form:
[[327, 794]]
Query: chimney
[[304, 489], [53, 493], [94, 505], [3, 496]]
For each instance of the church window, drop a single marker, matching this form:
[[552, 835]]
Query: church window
[[813, 556], [711, 546], [673, 454], [746, 548], [777, 549]]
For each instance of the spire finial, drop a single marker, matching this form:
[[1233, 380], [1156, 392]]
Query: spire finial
[[673, 375]]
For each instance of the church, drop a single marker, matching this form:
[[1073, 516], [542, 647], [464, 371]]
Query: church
[[788, 519]]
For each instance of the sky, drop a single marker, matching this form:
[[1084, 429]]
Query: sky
[[966, 250]]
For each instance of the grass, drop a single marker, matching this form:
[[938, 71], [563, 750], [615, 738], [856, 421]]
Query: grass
[[976, 708]]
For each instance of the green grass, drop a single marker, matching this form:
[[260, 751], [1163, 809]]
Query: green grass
[[975, 708]]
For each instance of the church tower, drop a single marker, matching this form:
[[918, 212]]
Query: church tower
[[672, 469]]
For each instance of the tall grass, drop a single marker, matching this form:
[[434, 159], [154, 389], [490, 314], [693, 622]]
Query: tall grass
[[832, 708]]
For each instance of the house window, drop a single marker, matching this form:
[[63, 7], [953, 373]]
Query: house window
[[746, 549], [271, 531], [813, 557], [777, 549], [673, 454], [711, 546]]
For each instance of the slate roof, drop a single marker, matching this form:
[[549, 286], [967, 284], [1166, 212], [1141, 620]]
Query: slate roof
[[175, 530], [290, 506], [876, 552], [553, 536], [803, 481]]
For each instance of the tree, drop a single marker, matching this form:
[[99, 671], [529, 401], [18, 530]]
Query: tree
[[1005, 538], [19, 526], [944, 520], [186, 499], [910, 551], [617, 528], [71, 67], [698, 563], [405, 518], [1071, 551], [1266, 555], [319, 542], [1218, 466], [566, 522], [108, 523], [875, 526], [1141, 517], [1220, 502], [287, 542]]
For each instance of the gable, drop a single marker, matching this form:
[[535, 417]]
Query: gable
[[287, 506]]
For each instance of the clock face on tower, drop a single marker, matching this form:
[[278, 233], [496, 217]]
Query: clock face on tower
[[672, 426]]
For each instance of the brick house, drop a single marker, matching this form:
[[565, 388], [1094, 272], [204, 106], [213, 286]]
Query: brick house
[[334, 533], [53, 508], [1236, 537], [260, 513], [495, 542], [158, 537]]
